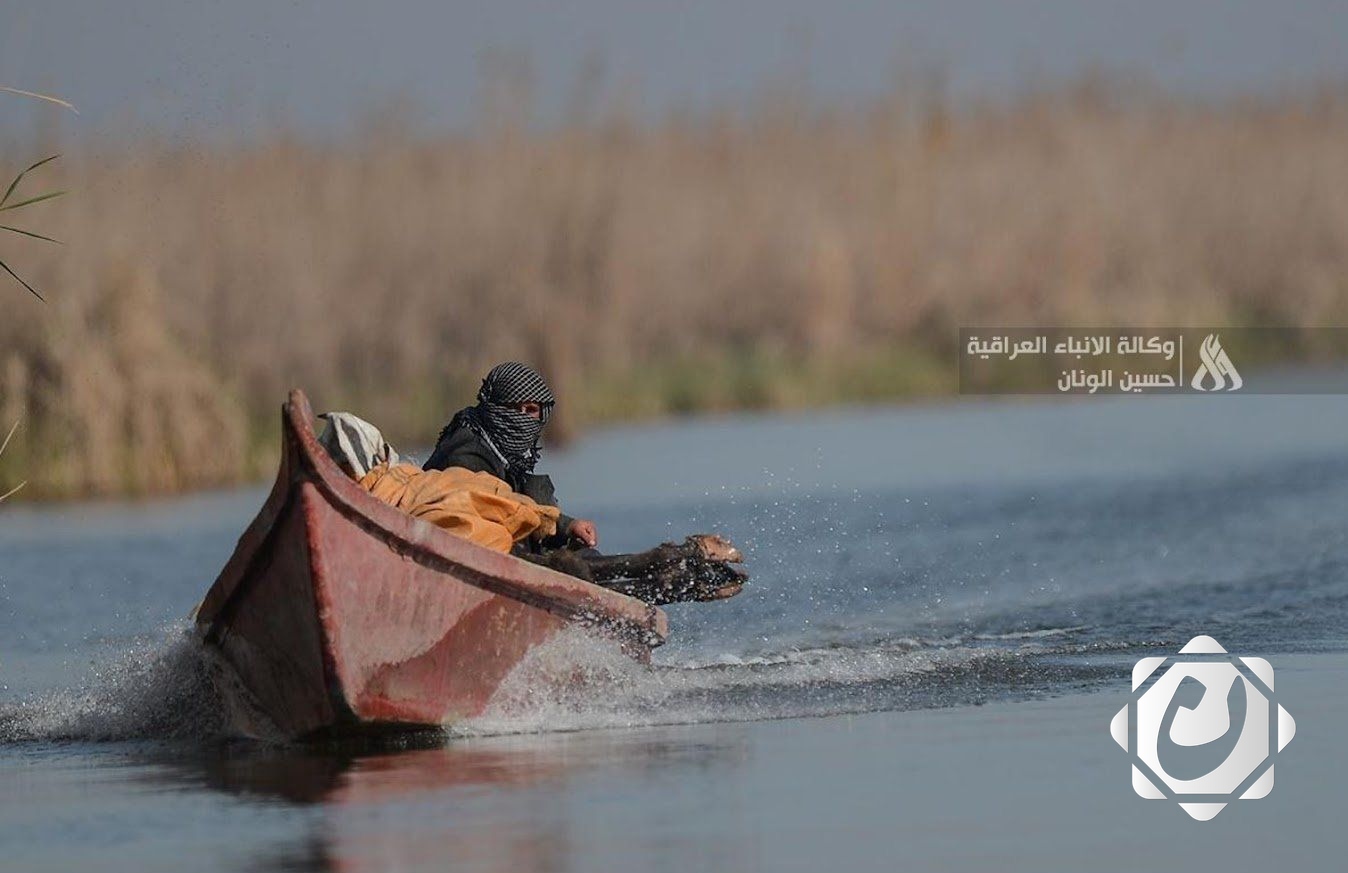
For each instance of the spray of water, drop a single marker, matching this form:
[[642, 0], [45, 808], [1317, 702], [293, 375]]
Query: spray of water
[[174, 688], [152, 689], [577, 682]]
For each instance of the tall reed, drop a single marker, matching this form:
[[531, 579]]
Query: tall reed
[[4, 445], [776, 257]]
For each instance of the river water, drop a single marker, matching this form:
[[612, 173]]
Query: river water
[[945, 607]]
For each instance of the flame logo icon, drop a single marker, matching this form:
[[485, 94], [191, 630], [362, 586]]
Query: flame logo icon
[[1215, 363]]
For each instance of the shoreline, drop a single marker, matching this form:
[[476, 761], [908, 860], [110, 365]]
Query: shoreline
[[807, 415]]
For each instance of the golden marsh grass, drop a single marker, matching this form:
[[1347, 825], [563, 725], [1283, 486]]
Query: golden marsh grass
[[779, 257]]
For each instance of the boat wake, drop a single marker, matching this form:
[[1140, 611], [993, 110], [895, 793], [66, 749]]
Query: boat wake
[[164, 690], [578, 683]]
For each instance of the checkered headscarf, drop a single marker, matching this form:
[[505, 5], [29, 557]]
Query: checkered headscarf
[[512, 434]]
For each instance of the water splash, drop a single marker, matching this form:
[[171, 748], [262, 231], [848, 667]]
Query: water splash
[[157, 688], [577, 682], [171, 688]]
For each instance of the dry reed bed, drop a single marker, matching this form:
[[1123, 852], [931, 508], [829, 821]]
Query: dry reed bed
[[816, 250]]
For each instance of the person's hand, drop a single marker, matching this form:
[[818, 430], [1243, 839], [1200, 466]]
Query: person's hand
[[583, 530]]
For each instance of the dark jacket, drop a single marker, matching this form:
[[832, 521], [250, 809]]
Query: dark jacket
[[461, 447]]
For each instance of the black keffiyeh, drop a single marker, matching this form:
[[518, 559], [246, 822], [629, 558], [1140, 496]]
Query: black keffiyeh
[[510, 433]]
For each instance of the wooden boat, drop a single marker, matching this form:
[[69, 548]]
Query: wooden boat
[[338, 613]]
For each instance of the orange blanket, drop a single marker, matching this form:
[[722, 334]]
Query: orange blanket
[[475, 506]]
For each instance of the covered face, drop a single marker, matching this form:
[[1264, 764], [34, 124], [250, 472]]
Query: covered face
[[515, 433]]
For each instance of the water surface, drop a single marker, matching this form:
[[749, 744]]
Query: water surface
[[921, 577]]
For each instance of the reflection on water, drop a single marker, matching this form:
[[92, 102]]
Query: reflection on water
[[476, 802]]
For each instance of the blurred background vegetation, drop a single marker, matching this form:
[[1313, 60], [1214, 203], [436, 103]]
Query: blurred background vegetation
[[780, 255]]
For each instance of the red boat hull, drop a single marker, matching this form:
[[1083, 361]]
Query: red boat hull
[[338, 613]]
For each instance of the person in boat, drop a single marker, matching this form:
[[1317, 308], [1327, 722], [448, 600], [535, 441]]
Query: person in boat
[[500, 436]]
